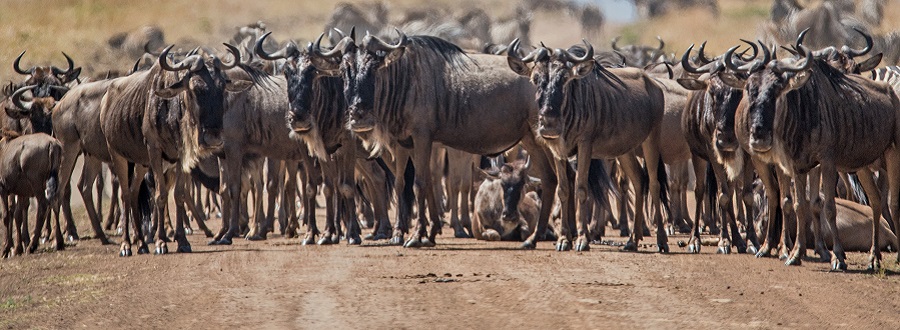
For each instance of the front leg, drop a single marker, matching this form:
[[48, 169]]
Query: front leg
[[773, 226], [428, 204], [803, 215], [583, 204], [543, 166]]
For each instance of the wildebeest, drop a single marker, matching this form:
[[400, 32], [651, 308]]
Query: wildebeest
[[28, 168], [708, 123], [639, 55], [133, 43], [802, 112], [504, 209], [592, 112], [156, 118], [419, 90]]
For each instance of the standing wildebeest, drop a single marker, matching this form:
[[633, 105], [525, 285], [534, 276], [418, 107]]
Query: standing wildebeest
[[640, 55], [419, 90], [592, 112], [317, 116], [803, 112], [28, 168], [503, 209], [254, 127], [708, 123], [155, 118]]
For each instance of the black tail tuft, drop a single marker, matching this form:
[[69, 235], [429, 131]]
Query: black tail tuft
[[52, 186], [857, 190], [711, 187], [210, 182], [600, 184], [663, 178], [389, 176]]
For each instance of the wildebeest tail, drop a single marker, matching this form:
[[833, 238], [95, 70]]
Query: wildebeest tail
[[52, 187], [711, 186], [599, 183], [663, 178], [389, 176], [857, 190], [145, 192], [408, 195], [210, 182]]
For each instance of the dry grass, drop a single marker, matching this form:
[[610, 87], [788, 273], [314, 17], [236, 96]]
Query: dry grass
[[80, 27]]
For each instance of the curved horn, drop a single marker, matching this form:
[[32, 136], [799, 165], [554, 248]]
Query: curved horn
[[527, 162], [289, 50], [751, 66], [614, 47], [621, 56], [686, 63], [335, 51], [807, 62], [800, 38], [588, 54], [17, 98], [669, 70], [69, 62], [381, 45], [137, 65], [701, 55], [755, 50], [339, 32], [183, 65], [729, 59], [19, 69], [236, 53], [662, 44], [853, 52]]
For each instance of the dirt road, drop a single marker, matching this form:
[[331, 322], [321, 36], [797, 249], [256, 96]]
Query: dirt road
[[459, 284]]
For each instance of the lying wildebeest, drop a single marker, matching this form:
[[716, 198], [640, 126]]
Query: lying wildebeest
[[156, 118], [419, 90], [803, 112], [591, 112], [504, 210], [28, 168]]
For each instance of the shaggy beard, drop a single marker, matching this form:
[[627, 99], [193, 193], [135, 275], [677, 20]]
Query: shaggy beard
[[314, 144]]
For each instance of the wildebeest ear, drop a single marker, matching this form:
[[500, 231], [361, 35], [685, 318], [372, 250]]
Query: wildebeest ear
[[732, 81], [394, 55], [797, 81], [237, 86], [172, 91], [870, 63], [582, 69], [692, 84], [518, 66]]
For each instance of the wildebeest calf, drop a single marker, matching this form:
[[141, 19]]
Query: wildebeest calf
[[503, 210]]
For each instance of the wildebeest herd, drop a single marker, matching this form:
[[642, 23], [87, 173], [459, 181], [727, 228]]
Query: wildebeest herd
[[518, 142]]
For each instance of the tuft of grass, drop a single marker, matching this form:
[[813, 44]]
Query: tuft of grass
[[11, 304]]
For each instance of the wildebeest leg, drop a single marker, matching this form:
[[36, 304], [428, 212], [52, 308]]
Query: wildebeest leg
[[130, 187], [347, 190], [274, 180], [726, 207], [746, 192], [89, 174], [789, 215], [815, 178], [43, 211], [633, 171], [313, 175], [427, 202], [21, 226], [163, 184], [7, 226], [771, 189], [115, 196], [181, 193], [567, 205], [231, 202], [803, 215], [289, 198], [401, 227], [543, 166], [866, 178], [582, 201], [328, 192], [196, 209], [376, 189], [699, 166]]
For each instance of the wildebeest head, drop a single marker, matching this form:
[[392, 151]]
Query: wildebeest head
[[640, 55], [513, 177], [45, 77], [551, 73], [844, 59], [372, 56], [36, 109], [720, 99], [768, 81], [202, 86]]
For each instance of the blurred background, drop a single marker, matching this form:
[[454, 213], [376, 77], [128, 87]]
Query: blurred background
[[103, 35]]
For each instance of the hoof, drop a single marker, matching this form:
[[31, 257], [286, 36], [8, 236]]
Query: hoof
[[396, 240], [336, 239], [528, 245], [220, 242], [764, 252], [662, 248], [308, 240], [631, 246], [188, 231], [741, 249], [125, 253], [563, 245], [256, 238], [354, 240], [874, 266], [413, 243], [144, 250], [694, 248], [461, 234], [839, 265], [793, 261], [118, 231], [427, 242], [381, 236], [184, 249], [324, 241], [723, 250], [43, 240], [370, 237], [160, 250], [582, 246], [71, 238]]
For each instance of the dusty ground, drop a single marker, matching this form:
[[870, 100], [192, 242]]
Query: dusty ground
[[459, 284]]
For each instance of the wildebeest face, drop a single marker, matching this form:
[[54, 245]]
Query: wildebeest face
[[552, 96], [44, 78], [764, 88], [300, 75], [204, 87], [513, 178], [37, 109], [373, 58]]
